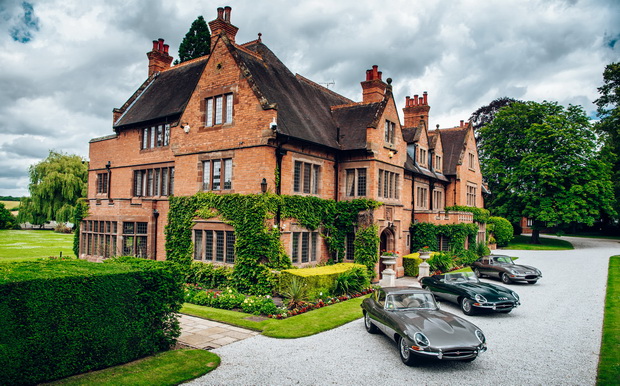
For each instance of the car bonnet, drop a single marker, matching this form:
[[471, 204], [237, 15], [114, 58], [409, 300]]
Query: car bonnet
[[443, 329], [489, 291]]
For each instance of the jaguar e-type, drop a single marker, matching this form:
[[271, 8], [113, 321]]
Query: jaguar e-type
[[411, 317], [504, 268], [464, 289]]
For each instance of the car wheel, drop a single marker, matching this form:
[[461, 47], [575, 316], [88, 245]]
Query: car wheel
[[405, 352], [370, 327], [467, 307], [532, 281], [477, 272], [506, 278]]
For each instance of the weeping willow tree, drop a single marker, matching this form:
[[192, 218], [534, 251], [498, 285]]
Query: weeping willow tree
[[56, 184]]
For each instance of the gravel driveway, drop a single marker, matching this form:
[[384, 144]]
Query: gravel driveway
[[552, 339]]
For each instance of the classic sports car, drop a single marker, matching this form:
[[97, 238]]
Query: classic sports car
[[504, 268], [464, 289], [411, 317]]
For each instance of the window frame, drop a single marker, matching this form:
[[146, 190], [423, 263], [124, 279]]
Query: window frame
[[103, 182], [219, 110], [304, 247], [356, 182], [306, 177], [149, 183], [155, 136], [389, 184], [224, 176], [216, 245]]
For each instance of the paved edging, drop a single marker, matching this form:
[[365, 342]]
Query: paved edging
[[207, 334]]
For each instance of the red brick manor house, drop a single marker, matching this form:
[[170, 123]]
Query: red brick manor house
[[225, 121]]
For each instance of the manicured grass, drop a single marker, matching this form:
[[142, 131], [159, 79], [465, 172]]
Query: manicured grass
[[609, 360], [10, 205], [22, 245], [306, 324], [523, 243], [167, 368]]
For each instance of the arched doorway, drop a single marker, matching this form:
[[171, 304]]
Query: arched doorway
[[386, 243]]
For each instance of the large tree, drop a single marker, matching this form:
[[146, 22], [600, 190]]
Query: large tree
[[197, 41], [541, 161], [609, 125], [56, 183], [7, 220]]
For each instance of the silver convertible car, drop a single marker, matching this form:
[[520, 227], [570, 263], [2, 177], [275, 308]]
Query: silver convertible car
[[413, 320]]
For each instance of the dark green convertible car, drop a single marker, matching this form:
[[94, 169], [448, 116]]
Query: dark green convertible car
[[464, 289]]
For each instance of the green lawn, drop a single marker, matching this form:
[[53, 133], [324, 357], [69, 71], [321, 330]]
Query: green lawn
[[306, 324], [609, 362], [167, 368], [546, 244], [21, 245]]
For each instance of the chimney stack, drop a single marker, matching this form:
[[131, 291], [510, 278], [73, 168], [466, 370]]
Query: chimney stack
[[373, 88], [159, 59], [416, 110], [221, 25]]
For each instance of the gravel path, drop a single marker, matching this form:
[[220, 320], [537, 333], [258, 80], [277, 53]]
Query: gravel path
[[552, 339]]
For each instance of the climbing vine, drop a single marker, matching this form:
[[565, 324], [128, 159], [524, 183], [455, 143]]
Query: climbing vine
[[366, 245], [258, 246], [481, 215], [425, 234]]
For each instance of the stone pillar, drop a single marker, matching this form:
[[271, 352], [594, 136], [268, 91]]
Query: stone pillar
[[425, 268], [389, 275]]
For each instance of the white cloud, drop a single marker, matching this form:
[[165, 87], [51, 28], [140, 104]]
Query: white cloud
[[83, 60]]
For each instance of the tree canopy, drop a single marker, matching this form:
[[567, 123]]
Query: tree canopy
[[485, 114], [609, 125], [56, 183], [197, 41], [541, 161], [7, 220]]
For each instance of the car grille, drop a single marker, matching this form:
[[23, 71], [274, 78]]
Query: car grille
[[459, 353], [530, 277], [504, 306]]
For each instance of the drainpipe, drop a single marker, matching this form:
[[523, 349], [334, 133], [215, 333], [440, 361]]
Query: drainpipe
[[155, 217], [107, 167]]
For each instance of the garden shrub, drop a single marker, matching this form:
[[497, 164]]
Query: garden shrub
[[259, 305], [352, 281], [295, 291], [441, 262], [411, 264], [317, 277], [502, 230], [61, 318], [208, 275], [228, 299]]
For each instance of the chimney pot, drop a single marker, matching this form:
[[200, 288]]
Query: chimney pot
[[462, 123], [368, 74], [155, 44], [425, 96], [407, 101], [160, 45], [227, 11], [414, 102], [220, 13], [166, 46], [379, 75]]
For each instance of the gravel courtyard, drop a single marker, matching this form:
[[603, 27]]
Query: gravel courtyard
[[552, 339]]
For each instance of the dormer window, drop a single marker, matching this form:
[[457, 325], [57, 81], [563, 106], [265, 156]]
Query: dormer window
[[390, 127], [219, 110], [423, 154], [437, 163]]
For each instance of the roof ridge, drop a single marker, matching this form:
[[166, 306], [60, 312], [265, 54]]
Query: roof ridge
[[248, 51], [322, 88], [336, 107], [185, 63]]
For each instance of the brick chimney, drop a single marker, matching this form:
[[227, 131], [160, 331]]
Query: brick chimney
[[373, 88], [416, 110], [159, 59], [222, 25]]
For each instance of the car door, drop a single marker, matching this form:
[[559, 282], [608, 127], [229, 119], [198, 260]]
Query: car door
[[484, 266], [442, 290]]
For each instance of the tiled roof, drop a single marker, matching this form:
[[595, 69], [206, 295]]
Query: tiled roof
[[164, 97], [413, 167], [453, 141], [353, 121]]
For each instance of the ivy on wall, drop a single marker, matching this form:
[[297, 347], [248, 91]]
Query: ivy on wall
[[481, 215], [366, 246], [258, 246], [425, 235]]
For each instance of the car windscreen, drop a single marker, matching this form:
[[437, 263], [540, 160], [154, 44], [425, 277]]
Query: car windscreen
[[413, 300], [460, 277], [504, 259]]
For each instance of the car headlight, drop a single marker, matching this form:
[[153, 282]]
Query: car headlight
[[480, 299], [515, 295], [538, 272], [480, 336], [421, 339]]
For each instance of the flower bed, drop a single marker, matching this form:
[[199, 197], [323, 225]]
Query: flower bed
[[231, 299]]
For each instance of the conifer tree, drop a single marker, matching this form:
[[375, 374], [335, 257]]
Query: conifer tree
[[197, 41]]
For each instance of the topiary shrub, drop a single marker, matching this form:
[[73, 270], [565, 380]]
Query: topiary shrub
[[411, 264], [502, 230]]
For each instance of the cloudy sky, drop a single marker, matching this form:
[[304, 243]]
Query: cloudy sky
[[65, 64]]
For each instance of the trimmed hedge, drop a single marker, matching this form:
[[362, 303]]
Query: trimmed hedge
[[61, 318], [502, 230], [411, 264], [318, 277]]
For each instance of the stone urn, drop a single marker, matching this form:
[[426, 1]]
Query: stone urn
[[425, 268], [389, 274]]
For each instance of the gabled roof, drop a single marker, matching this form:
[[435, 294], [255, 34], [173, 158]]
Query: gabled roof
[[163, 96], [413, 167], [453, 141], [353, 120]]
